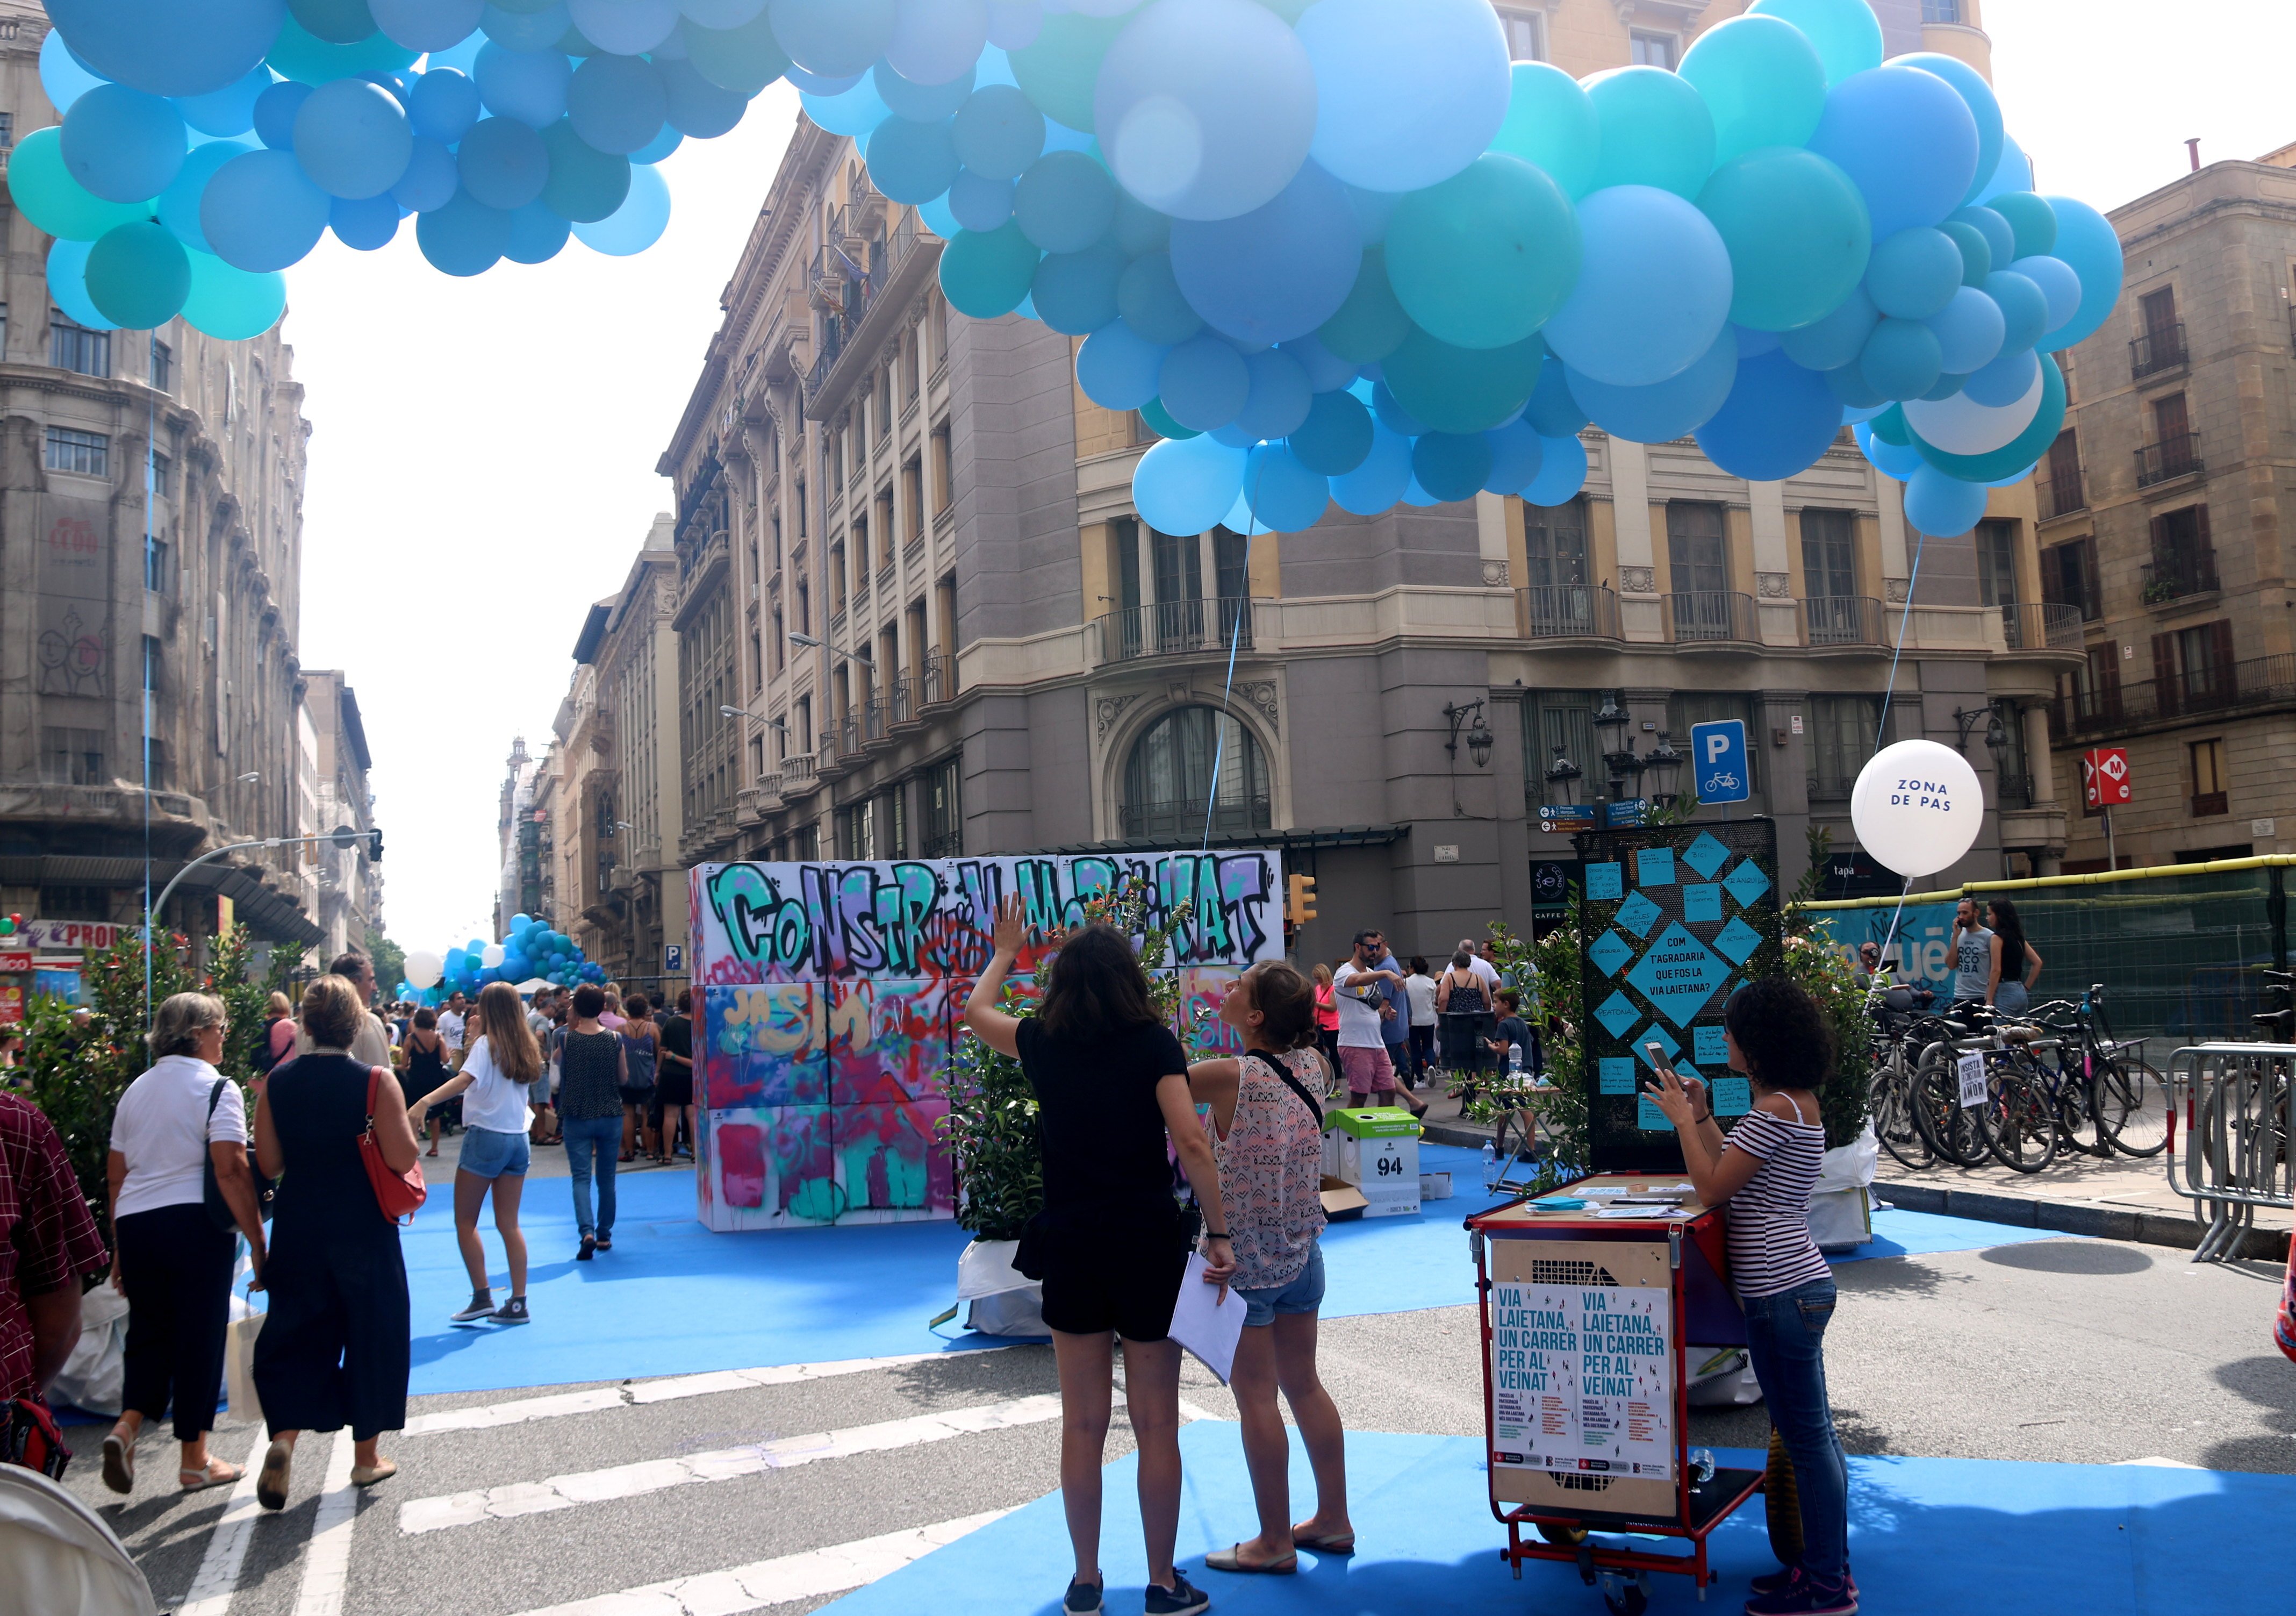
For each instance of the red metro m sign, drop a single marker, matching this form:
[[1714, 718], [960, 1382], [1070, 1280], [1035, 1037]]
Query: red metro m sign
[[2104, 777]]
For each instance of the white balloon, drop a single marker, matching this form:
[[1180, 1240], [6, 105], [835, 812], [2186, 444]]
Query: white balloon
[[1917, 808], [491, 955], [1960, 425], [424, 968]]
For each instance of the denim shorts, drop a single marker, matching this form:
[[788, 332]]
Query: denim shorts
[[1303, 1292], [490, 1153]]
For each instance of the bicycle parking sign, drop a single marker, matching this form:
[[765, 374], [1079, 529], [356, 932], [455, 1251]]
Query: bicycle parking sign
[[1719, 762]]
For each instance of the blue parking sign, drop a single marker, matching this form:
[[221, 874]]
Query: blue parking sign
[[1718, 761]]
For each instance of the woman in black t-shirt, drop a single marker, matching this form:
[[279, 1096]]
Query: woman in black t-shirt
[[1110, 1245]]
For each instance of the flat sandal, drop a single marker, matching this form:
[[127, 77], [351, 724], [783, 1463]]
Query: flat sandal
[[1231, 1560]]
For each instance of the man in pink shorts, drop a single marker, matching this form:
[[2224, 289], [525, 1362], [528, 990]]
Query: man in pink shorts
[[1357, 988]]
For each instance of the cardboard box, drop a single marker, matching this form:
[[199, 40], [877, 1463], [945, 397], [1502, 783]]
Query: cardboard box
[[1343, 1201]]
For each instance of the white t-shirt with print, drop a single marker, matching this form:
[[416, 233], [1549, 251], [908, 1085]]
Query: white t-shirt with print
[[1359, 1019], [450, 1028]]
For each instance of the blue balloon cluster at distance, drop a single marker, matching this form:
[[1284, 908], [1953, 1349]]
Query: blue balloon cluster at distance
[[1341, 252], [530, 950]]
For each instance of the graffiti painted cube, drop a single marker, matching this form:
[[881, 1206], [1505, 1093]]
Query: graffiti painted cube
[[767, 1045]]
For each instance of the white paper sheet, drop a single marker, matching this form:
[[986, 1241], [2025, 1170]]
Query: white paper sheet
[[1205, 1326]]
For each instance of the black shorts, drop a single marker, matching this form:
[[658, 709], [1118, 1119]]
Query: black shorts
[[1133, 1296]]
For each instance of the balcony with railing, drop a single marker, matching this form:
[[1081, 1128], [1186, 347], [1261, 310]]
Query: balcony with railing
[[2224, 688], [2170, 458], [1180, 819], [2041, 626], [937, 682], [2061, 495], [859, 292], [2173, 575], [799, 773], [2157, 350], [2013, 791], [1712, 616], [1832, 622], [1183, 627], [1566, 612]]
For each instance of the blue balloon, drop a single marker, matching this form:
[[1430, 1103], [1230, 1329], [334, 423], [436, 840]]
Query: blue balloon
[[1280, 398], [352, 139], [1907, 141], [854, 112], [1552, 412], [661, 147], [834, 35], [2000, 236], [1408, 92], [528, 86], [998, 132], [1336, 436], [1380, 478], [536, 235], [68, 284], [275, 113], [1075, 292], [1117, 368], [444, 105], [1984, 107], [179, 203], [227, 111], [2061, 286], [2007, 378], [1902, 359], [1392, 415], [1941, 505], [1278, 272], [1064, 203], [260, 212], [1561, 472], [1777, 421], [1666, 410], [925, 102], [2024, 309], [1845, 34], [1282, 493], [1327, 372], [121, 145], [363, 224], [464, 238], [2014, 173], [518, 30], [66, 81], [1187, 484], [1895, 461], [164, 47], [503, 163], [617, 103], [914, 162], [638, 224], [703, 110], [1654, 289], [1968, 331], [431, 180], [1516, 457], [1914, 274], [2086, 242], [1838, 339], [1148, 295], [1204, 383], [426, 25], [1451, 466]]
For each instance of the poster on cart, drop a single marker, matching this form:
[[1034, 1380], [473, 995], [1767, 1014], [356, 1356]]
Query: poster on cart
[[830, 996], [1582, 1379]]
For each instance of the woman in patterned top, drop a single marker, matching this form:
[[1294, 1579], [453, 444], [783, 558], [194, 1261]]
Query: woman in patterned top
[[1765, 1170], [1267, 1130]]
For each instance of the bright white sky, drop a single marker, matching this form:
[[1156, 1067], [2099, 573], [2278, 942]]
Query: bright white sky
[[482, 458]]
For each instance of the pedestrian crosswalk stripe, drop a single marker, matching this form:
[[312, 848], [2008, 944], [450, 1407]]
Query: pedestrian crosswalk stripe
[[836, 1569], [486, 1416], [218, 1578], [327, 1563], [723, 1465]]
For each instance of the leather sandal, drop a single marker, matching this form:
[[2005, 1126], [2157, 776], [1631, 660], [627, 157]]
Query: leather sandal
[[271, 1484], [1325, 1546], [118, 1464], [367, 1475], [1231, 1560], [199, 1481]]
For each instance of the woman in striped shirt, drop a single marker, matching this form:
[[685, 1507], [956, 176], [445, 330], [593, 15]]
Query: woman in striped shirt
[[1764, 1172]]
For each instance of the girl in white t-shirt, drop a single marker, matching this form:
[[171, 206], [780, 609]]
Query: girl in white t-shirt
[[500, 1085]]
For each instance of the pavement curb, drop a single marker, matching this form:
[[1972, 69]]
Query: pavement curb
[[2070, 1217]]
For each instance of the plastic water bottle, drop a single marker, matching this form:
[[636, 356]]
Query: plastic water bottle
[[1491, 1165], [1514, 1060], [1701, 1464]]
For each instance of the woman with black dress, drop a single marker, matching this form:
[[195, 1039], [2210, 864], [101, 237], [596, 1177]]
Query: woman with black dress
[[1112, 1245], [641, 1044], [426, 1069], [334, 1350]]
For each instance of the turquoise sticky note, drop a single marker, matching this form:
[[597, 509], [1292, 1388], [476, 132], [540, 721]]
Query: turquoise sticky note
[[1712, 1044], [1701, 902], [1637, 915], [1747, 883], [1605, 882], [1610, 951], [1733, 1097], [1706, 855], [1617, 1013], [1648, 1117], [1738, 940], [1618, 1075], [1654, 867], [1660, 1036]]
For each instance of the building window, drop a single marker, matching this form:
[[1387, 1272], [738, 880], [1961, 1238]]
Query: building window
[[884, 410], [937, 798], [7, 131], [1844, 732], [885, 534], [2192, 669], [2159, 343], [1563, 718], [151, 650], [72, 757], [2068, 577], [799, 503], [87, 454], [1525, 33], [75, 348], [913, 497], [1829, 553], [937, 322], [1196, 766], [2209, 796], [2063, 492], [1996, 562], [76, 903], [804, 606], [158, 567], [856, 832], [1137, 431], [805, 723], [781, 643], [1654, 50], [912, 364], [2014, 782], [1941, 10], [163, 366], [1698, 560], [837, 577], [893, 822], [944, 480]]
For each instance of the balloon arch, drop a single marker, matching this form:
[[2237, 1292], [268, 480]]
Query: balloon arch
[[532, 950], [1339, 252]]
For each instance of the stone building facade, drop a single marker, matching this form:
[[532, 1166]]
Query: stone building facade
[[345, 883], [2166, 510], [150, 541], [918, 615]]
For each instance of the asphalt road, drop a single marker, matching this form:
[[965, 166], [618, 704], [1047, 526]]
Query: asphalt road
[[2068, 1350]]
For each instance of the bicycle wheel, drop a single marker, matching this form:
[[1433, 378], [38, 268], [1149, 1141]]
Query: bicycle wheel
[[1953, 1131], [2075, 1099], [2132, 1107], [1890, 1103], [2019, 1120]]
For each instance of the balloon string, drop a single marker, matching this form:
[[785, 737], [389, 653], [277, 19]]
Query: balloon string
[[1881, 729], [1235, 637]]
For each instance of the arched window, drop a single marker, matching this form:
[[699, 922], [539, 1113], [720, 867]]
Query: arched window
[[1168, 781]]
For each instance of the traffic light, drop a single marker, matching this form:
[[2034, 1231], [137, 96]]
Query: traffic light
[[1302, 905], [374, 845]]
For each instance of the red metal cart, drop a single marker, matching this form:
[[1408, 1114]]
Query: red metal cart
[[1587, 1325]]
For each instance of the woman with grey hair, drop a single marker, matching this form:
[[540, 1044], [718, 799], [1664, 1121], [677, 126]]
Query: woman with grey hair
[[180, 1128]]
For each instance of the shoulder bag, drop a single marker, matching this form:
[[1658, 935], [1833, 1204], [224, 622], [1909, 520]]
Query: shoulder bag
[[1315, 1107], [220, 1212], [399, 1194]]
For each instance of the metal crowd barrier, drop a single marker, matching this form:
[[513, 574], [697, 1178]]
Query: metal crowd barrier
[[2234, 1102]]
